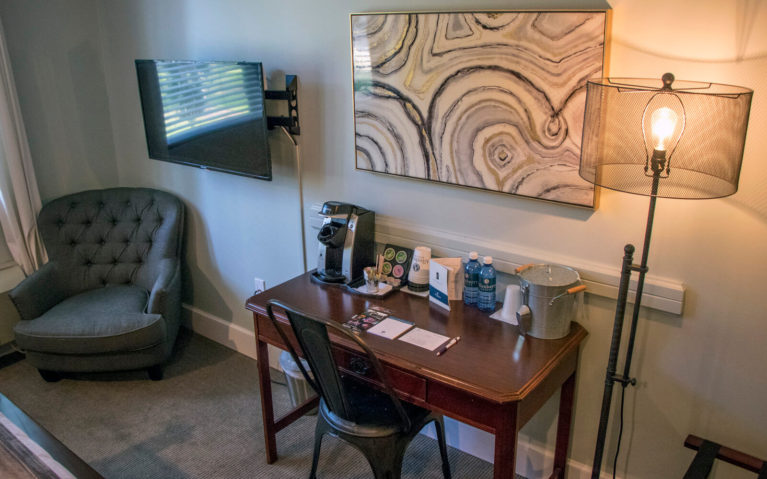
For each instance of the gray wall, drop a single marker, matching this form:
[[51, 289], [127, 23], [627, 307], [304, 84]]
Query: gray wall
[[55, 48], [699, 372]]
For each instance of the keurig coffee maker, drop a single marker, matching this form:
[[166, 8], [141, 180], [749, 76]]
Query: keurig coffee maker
[[346, 242]]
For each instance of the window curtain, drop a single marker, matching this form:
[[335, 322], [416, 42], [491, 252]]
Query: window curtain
[[19, 196]]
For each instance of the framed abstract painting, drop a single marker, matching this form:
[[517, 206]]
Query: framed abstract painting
[[489, 100]]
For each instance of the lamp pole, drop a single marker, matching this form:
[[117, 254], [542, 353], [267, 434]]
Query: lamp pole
[[657, 164]]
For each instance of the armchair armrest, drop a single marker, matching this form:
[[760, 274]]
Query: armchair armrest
[[39, 292], [165, 295]]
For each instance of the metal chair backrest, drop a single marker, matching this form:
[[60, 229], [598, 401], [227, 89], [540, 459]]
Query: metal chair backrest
[[312, 335]]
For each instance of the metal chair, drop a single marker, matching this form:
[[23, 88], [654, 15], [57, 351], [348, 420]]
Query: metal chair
[[373, 421]]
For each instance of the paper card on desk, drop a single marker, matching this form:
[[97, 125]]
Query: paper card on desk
[[362, 322], [444, 284], [424, 339], [391, 327]]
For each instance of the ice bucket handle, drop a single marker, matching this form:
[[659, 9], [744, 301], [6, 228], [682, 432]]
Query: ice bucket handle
[[573, 290]]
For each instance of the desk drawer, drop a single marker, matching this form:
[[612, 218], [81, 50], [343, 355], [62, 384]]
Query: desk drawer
[[406, 384]]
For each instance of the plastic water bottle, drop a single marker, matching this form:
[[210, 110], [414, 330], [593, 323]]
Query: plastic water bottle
[[471, 279], [486, 299]]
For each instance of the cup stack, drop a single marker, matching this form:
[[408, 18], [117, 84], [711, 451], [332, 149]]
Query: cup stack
[[418, 277], [511, 303]]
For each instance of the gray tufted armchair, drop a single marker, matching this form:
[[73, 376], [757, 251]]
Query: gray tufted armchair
[[109, 297]]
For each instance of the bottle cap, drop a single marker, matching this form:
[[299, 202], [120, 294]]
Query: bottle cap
[[488, 260], [473, 255]]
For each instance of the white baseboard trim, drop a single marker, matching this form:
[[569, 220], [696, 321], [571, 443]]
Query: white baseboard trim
[[532, 459], [223, 332]]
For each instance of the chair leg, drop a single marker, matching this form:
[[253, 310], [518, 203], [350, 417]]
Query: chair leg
[[49, 376], [396, 472], [439, 425], [319, 432], [384, 463], [155, 372], [384, 456]]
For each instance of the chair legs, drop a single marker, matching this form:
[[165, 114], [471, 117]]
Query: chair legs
[[155, 372], [439, 425], [49, 376], [319, 431], [384, 456]]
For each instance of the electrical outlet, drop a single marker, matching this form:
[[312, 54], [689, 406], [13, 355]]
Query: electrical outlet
[[260, 285]]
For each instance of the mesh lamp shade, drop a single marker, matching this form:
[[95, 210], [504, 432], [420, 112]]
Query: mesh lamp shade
[[697, 129]]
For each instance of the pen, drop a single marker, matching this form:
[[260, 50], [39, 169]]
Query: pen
[[448, 345]]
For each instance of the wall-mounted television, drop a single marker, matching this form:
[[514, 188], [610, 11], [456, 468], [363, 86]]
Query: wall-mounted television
[[206, 114]]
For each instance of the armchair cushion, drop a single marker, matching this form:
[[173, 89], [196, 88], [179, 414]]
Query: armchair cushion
[[104, 320]]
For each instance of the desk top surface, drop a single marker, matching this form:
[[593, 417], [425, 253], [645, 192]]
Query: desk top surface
[[492, 356]]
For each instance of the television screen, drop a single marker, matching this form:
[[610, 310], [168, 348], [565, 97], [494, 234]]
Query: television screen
[[206, 114]]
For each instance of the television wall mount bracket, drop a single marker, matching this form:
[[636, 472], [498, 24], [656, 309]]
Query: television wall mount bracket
[[290, 94]]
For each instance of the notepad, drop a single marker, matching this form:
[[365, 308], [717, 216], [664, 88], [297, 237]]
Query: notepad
[[424, 339], [391, 327]]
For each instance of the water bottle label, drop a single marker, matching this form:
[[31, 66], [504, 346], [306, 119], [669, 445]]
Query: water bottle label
[[487, 285], [486, 296]]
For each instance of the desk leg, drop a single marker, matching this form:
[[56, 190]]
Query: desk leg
[[506, 444], [267, 408], [563, 427]]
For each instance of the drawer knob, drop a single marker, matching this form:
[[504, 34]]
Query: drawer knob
[[359, 366]]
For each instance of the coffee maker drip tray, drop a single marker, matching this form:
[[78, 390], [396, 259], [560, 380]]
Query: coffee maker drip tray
[[328, 276]]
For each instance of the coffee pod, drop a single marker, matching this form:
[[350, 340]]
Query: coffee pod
[[418, 277]]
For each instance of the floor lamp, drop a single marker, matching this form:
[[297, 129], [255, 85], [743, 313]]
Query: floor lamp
[[663, 140]]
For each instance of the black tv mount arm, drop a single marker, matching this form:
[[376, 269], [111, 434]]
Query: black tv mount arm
[[290, 94]]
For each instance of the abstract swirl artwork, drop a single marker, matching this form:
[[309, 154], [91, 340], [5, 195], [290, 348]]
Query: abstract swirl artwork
[[490, 100]]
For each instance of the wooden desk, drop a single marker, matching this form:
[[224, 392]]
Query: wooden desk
[[493, 379]]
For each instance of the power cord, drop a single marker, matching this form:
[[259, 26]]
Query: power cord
[[300, 194]]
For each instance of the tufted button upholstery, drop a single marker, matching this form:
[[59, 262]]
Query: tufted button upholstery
[[128, 227]]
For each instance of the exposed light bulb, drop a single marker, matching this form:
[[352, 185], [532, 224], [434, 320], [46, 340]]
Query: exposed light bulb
[[663, 125]]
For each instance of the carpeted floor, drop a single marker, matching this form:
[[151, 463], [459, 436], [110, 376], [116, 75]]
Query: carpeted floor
[[202, 421]]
